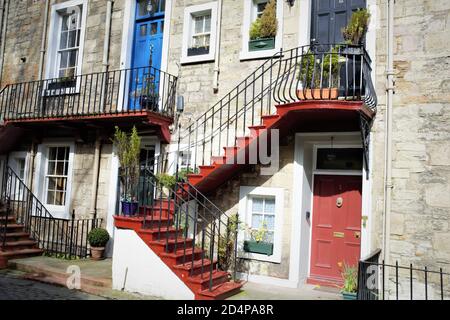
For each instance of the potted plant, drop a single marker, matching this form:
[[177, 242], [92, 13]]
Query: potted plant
[[355, 32], [98, 238], [263, 30], [167, 183], [319, 75], [350, 286], [148, 96], [128, 150], [258, 242]]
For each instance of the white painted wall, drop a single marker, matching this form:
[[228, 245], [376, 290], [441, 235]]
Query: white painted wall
[[136, 268]]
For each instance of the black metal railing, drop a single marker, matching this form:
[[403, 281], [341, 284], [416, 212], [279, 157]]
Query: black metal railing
[[381, 281], [124, 91], [325, 72], [62, 237], [207, 237]]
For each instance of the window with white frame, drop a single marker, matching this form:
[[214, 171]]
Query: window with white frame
[[199, 33], [261, 208], [57, 175], [67, 30], [69, 43], [253, 9]]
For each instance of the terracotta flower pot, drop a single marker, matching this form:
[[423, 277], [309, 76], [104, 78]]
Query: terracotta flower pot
[[97, 253], [318, 94]]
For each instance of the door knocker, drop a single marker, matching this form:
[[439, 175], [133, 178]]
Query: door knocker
[[339, 202]]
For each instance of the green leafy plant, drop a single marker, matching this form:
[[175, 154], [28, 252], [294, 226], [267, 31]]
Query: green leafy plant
[[166, 180], [315, 68], [98, 237], [227, 243], [182, 173], [350, 276], [128, 150], [356, 29], [267, 25], [260, 234]]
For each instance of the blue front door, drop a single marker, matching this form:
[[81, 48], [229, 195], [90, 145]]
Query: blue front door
[[147, 53]]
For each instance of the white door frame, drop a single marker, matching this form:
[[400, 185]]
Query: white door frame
[[305, 144]]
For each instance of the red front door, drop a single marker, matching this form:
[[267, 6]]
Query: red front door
[[336, 226]]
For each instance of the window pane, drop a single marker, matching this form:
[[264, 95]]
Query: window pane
[[154, 28], [63, 40], [61, 184], [340, 159], [207, 24], [60, 198], [60, 168], [51, 183], [143, 30], [257, 205], [65, 23], [73, 58], [270, 237], [72, 39], [198, 24], [50, 197], [51, 167], [257, 221], [63, 59], [269, 205], [270, 222]]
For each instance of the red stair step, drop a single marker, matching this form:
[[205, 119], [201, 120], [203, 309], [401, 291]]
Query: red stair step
[[202, 281], [242, 142], [256, 130], [16, 236], [194, 178], [19, 245], [153, 233], [269, 120], [221, 291], [205, 170], [218, 159], [168, 245], [197, 267], [176, 258]]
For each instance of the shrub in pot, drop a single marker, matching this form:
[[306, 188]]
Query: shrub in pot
[[319, 75], [263, 30], [98, 238], [167, 183], [355, 32], [128, 148], [350, 287]]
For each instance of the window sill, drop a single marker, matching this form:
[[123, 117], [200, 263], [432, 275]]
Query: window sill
[[260, 54], [197, 59], [259, 257]]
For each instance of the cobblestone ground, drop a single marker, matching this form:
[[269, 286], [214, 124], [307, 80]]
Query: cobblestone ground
[[14, 288]]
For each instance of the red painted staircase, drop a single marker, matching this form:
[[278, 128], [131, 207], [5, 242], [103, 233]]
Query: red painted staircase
[[287, 119], [15, 243], [192, 256]]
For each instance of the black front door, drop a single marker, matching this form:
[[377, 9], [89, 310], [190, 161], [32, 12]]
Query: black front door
[[329, 17]]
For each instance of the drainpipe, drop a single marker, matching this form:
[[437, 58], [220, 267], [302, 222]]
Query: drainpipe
[[3, 24], [106, 43], [217, 54], [95, 175], [390, 90], [31, 165], [43, 40]]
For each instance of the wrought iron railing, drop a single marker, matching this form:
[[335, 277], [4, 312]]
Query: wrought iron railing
[[207, 237], [62, 237], [319, 72], [124, 91], [380, 281]]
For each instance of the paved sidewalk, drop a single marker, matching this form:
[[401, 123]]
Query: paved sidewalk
[[13, 287], [255, 291]]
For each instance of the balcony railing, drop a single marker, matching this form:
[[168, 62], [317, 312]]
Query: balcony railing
[[125, 91]]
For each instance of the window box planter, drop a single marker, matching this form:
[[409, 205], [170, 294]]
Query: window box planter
[[258, 247], [349, 295], [261, 44], [62, 84], [197, 51]]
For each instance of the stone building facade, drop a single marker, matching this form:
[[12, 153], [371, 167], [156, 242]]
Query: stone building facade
[[419, 220]]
